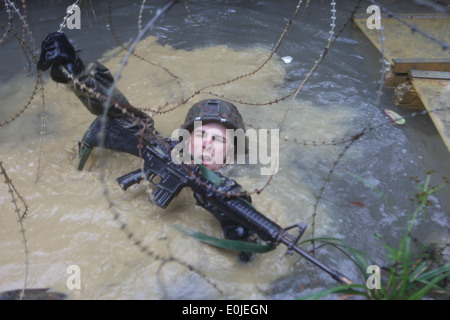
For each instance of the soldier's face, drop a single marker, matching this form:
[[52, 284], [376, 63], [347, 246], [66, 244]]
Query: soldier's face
[[209, 145]]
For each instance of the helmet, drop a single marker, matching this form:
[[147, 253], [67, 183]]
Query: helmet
[[214, 111]]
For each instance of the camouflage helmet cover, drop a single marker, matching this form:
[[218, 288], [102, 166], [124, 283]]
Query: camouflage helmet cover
[[214, 111]]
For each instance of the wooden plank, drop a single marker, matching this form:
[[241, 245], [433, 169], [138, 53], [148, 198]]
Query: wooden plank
[[402, 65], [425, 60], [429, 74], [407, 50], [434, 92]]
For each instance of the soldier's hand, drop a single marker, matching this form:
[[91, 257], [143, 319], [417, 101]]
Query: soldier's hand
[[57, 51]]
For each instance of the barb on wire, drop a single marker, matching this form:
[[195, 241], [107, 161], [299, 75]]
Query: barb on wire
[[13, 191], [140, 15]]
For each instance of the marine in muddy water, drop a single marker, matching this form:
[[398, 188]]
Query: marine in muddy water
[[129, 130], [124, 124]]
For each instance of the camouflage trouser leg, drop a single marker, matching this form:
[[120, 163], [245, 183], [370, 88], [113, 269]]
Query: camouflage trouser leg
[[114, 137]]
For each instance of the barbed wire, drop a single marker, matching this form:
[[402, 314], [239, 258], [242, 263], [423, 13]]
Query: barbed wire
[[347, 141], [444, 45], [433, 5], [29, 50], [10, 23], [12, 190], [110, 103]]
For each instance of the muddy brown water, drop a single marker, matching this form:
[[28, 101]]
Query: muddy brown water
[[70, 220]]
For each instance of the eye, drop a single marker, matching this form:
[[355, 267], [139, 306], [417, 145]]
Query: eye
[[219, 139]]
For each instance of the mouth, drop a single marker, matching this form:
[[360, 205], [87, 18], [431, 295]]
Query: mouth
[[206, 160]]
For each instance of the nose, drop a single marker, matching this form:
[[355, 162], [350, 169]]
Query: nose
[[207, 140]]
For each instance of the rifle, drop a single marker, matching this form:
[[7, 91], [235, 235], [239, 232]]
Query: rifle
[[158, 165], [58, 53]]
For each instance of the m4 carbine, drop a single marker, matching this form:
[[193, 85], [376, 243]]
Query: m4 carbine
[[120, 134], [159, 165]]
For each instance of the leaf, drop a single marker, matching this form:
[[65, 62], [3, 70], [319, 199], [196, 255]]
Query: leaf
[[227, 243], [344, 289], [395, 117]]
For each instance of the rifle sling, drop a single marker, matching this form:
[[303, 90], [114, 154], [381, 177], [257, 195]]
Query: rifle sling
[[229, 244], [211, 176]]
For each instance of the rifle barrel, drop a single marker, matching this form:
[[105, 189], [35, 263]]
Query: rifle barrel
[[334, 273]]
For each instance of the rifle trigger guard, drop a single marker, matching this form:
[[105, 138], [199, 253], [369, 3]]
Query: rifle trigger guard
[[152, 177], [293, 240]]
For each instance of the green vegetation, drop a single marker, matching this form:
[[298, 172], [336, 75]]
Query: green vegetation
[[410, 275]]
